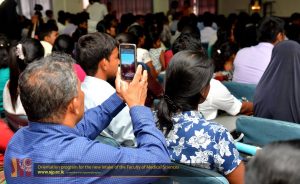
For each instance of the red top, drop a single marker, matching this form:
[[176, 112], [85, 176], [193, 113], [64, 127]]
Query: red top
[[5, 133], [79, 72], [168, 57]]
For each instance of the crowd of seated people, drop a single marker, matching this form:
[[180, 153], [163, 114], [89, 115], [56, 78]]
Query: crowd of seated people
[[184, 65]]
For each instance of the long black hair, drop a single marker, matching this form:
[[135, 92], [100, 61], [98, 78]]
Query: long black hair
[[187, 76], [20, 56]]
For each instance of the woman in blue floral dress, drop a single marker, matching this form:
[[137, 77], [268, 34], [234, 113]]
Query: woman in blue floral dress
[[191, 139]]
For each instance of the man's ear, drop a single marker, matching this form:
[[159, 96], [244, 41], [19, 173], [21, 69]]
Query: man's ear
[[47, 38], [103, 64], [74, 106]]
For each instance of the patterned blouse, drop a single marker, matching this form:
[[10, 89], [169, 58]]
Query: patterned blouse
[[200, 143]]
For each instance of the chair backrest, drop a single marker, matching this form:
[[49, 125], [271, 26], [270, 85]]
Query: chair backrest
[[262, 131], [188, 174], [16, 121], [241, 90]]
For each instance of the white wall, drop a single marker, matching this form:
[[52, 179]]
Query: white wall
[[72, 6], [282, 8], [285, 8], [160, 6], [232, 6]]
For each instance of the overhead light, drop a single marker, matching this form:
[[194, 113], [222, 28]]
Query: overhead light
[[256, 6]]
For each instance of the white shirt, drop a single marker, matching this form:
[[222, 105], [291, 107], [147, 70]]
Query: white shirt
[[61, 27], [69, 29], [155, 57], [120, 128], [208, 35], [97, 11], [47, 48], [142, 55], [7, 104], [219, 98], [175, 36], [250, 63]]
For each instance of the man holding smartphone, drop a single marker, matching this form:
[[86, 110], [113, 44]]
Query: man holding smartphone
[[98, 55], [59, 136]]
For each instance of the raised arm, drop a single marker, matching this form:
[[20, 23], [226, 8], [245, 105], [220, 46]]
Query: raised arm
[[134, 93], [95, 120], [151, 149]]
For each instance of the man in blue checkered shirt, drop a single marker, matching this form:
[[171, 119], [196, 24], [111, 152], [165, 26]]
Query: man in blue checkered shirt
[[60, 132]]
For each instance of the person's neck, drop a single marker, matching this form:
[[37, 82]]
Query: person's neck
[[274, 43], [100, 75], [69, 121]]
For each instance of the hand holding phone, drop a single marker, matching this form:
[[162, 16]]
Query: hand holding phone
[[133, 92], [128, 60]]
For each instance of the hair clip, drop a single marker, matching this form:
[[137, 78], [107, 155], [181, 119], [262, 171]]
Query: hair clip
[[219, 51], [19, 52]]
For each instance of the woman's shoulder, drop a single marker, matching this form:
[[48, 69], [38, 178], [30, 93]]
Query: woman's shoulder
[[196, 120]]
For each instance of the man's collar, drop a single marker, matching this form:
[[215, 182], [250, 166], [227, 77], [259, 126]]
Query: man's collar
[[51, 127]]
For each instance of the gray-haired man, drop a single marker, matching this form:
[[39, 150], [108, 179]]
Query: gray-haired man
[[60, 132]]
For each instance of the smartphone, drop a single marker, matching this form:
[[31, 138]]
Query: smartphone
[[128, 60]]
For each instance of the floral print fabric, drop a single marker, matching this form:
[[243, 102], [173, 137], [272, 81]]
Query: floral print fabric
[[200, 143]]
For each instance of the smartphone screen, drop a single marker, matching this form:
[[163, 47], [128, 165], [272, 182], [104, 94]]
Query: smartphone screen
[[128, 60]]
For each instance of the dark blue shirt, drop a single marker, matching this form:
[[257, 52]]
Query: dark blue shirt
[[55, 143]]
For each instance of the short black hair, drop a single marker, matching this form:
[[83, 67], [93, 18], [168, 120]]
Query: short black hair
[[187, 41], [269, 29], [64, 43], [46, 30], [193, 30], [137, 31], [126, 38], [49, 13], [92, 48]]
